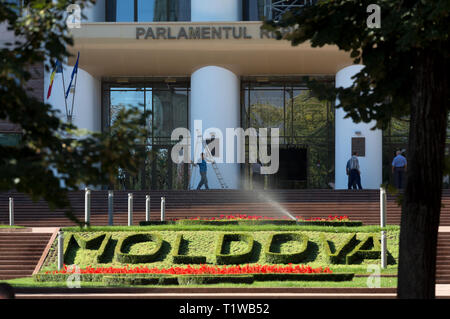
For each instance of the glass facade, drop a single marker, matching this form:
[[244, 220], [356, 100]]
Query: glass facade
[[168, 104], [180, 10], [306, 131], [148, 10]]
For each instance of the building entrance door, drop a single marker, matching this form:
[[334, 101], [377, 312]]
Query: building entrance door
[[293, 168]]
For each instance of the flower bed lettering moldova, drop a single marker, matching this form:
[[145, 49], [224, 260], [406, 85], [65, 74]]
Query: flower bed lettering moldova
[[222, 248]]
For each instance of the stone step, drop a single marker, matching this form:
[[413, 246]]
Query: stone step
[[11, 267]]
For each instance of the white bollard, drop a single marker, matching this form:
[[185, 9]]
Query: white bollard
[[383, 224], [163, 208], [130, 209], [110, 208], [147, 208], [87, 206], [11, 211], [382, 207], [60, 250], [383, 250]]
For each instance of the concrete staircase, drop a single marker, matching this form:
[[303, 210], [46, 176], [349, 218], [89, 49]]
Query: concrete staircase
[[443, 258], [20, 252], [358, 205]]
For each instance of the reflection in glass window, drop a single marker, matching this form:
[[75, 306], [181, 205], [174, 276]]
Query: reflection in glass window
[[170, 111], [305, 123], [253, 10], [125, 99], [169, 106], [267, 108], [167, 10], [149, 108], [148, 10], [124, 10]]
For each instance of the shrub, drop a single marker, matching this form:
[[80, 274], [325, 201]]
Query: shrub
[[91, 243], [225, 259], [279, 258], [102, 251], [214, 279], [329, 223], [362, 250], [251, 222], [58, 277], [339, 256], [127, 258], [242, 222], [156, 222], [140, 280], [205, 222], [69, 241], [185, 259], [304, 277]]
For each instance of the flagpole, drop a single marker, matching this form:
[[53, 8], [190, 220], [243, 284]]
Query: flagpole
[[75, 70], [73, 96], [64, 93]]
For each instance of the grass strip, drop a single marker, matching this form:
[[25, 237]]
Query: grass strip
[[341, 229]]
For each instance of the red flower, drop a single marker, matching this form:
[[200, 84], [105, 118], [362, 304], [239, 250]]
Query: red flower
[[202, 269]]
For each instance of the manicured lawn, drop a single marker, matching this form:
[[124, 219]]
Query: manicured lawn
[[7, 226]]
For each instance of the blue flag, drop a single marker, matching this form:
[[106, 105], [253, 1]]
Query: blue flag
[[75, 71], [59, 67]]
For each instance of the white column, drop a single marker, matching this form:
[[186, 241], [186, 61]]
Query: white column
[[371, 164], [215, 101], [216, 10], [215, 92]]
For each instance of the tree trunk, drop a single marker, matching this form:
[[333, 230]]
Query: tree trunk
[[422, 197]]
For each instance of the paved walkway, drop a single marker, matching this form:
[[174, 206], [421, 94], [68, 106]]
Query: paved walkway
[[442, 291], [439, 294]]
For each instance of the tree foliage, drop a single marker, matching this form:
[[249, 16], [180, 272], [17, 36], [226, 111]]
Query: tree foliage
[[52, 157], [382, 89], [405, 72]]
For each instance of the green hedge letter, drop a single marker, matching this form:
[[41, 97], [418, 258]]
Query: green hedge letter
[[275, 240], [225, 259]]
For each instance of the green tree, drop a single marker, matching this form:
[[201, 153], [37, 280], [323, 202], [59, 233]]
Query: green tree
[[406, 73], [51, 158]]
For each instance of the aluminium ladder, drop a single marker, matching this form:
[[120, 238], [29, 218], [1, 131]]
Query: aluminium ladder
[[219, 176]]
